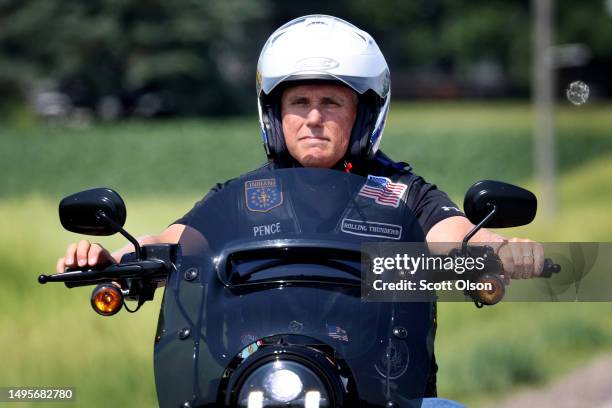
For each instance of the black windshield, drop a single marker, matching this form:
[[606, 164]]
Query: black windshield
[[278, 253]]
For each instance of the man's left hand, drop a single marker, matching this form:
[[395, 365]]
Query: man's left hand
[[521, 258]]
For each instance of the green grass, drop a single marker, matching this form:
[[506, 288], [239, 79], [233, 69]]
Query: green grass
[[51, 336], [136, 157], [487, 353], [55, 339], [584, 202], [453, 145], [457, 144]]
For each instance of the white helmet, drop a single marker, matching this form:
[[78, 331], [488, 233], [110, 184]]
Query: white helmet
[[320, 47]]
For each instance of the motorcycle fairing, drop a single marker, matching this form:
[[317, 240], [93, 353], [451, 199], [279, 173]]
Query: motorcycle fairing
[[207, 322]]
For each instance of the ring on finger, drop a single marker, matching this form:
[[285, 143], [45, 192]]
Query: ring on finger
[[526, 274]]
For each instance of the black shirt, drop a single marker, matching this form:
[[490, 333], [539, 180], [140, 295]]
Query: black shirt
[[428, 204]]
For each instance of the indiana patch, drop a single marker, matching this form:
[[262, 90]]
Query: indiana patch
[[262, 195]]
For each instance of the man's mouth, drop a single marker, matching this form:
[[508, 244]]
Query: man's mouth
[[311, 137]]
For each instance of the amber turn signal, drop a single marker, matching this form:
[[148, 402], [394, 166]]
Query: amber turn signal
[[106, 299], [496, 289]]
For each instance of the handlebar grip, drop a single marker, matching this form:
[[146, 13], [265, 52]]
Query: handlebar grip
[[114, 272], [549, 268], [75, 276]]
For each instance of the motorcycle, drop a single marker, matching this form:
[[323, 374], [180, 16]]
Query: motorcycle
[[262, 304]]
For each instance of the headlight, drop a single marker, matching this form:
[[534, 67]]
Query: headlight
[[282, 383]]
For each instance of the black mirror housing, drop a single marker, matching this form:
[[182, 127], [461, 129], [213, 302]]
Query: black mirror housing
[[82, 212], [514, 205]]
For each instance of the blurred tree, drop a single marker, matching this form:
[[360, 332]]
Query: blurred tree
[[193, 57], [589, 24], [465, 41], [182, 56]]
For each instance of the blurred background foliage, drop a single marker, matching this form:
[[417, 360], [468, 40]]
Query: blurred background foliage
[[153, 58], [81, 81]]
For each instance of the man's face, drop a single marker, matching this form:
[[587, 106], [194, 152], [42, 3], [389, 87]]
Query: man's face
[[317, 122]]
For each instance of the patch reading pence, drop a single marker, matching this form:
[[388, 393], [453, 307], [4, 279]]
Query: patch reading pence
[[264, 230]]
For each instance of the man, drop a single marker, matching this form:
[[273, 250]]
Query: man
[[323, 96]]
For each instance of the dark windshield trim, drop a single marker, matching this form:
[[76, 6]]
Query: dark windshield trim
[[290, 260], [289, 252], [316, 282]]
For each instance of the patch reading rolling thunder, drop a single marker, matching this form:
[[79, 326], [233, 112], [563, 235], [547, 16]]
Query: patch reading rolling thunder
[[371, 229]]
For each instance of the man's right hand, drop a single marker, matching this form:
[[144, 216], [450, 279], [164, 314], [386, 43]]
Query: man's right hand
[[82, 255], [85, 254]]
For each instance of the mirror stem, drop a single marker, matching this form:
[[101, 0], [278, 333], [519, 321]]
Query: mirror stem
[[123, 232], [479, 226]]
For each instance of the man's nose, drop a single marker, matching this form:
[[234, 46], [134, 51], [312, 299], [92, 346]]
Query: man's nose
[[314, 117]]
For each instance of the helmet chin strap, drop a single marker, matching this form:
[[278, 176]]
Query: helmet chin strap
[[276, 140], [358, 148]]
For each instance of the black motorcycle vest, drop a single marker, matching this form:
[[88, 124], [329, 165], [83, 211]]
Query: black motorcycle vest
[[365, 213]]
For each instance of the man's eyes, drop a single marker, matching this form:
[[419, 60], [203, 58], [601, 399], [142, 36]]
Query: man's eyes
[[330, 102], [325, 102]]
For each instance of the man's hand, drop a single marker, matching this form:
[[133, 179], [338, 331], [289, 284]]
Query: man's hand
[[521, 258], [82, 255]]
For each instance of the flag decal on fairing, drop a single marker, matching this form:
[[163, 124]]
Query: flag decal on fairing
[[383, 191]]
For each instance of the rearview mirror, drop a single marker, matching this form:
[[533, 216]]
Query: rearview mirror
[[514, 206], [100, 211]]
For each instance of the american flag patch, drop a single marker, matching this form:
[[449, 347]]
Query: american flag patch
[[337, 332], [383, 191]]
